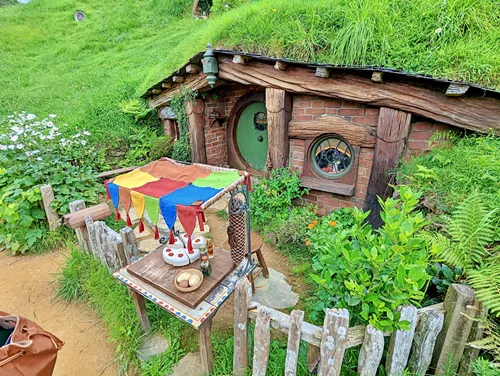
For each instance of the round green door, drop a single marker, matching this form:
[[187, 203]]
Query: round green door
[[251, 135]]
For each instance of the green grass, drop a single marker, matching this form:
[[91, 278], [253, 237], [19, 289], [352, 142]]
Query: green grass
[[222, 214], [82, 71]]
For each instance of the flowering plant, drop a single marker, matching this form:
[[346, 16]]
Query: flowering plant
[[35, 152]]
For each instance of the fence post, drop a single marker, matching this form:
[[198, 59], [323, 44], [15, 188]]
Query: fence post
[[460, 306], [476, 333], [242, 300], [293, 345], [47, 199], [333, 342], [262, 340], [81, 233], [371, 352], [400, 343], [428, 328], [89, 224], [130, 244]]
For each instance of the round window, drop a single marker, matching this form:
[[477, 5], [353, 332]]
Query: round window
[[332, 157]]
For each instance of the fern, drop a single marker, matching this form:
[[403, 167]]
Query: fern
[[491, 340], [471, 229], [486, 282]]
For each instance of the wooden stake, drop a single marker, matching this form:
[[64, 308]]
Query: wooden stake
[[333, 342], [377, 76], [262, 341], [400, 344], [371, 352], [242, 300], [81, 233], [280, 65], [193, 68], [428, 328], [292, 351], [47, 199], [94, 247], [129, 244]]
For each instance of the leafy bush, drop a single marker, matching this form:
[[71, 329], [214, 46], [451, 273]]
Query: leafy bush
[[273, 198], [36, 152], [145, 146], [291, 232], [373, 272], [448, 175]]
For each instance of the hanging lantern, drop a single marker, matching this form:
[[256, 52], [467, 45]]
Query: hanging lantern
[[210, 65]]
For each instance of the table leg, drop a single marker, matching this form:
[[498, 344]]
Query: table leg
[[140, 307], [206, 347]]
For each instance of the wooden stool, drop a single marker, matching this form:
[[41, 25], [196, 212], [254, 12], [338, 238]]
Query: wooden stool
[[261, 263]]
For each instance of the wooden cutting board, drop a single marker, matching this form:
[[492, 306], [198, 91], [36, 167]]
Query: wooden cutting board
[[153, 270]]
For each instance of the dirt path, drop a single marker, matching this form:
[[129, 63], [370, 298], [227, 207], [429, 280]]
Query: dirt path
[[28, 285]]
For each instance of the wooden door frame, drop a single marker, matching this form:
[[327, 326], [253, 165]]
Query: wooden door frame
[[234, 158]]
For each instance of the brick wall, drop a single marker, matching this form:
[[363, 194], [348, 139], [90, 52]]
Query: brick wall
[[216, 134], [421, 131], [308, 107]]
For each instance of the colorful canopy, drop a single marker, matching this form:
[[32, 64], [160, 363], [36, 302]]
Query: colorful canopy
[[172, 189]]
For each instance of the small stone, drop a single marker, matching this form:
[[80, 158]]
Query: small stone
[[152, 346]]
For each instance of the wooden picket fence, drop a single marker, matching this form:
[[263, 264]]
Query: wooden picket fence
[[435, 342]]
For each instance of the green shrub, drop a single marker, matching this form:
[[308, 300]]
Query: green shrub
[[146, 146], [273, 198], [36, 152], [369, 272], [291, 232]]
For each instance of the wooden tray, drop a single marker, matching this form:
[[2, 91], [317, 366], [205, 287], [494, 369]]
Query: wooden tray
[[153, 270]]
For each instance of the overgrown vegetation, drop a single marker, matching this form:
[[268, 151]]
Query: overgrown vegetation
[[182, 148]]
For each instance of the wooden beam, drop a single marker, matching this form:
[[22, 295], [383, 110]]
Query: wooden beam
[[196, 122], [77, 219], [205, 342], [240, 59], [355, 134], [377, 77], [81, 233], [156, 91], [194, 82], [456, 90], [166, 85], [280, 65], [392, 130], [178, 79], [193, 68], [474, 113], [323, 72], [279, 112]]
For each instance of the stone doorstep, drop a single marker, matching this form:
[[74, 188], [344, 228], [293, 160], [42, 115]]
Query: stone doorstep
[[274, 292], [152, 346]]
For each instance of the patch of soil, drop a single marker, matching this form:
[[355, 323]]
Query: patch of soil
[[223, 320], [28, 285]]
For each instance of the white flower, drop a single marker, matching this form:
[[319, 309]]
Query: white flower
[[52, 116], [31, 116], [3, 147], [39, 159], [438, 30], [86, 133], [14, 138], [226, 5], [11, 147], [83, 142], [20, 146]]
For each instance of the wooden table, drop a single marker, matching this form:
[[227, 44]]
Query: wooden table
[[199, 317]]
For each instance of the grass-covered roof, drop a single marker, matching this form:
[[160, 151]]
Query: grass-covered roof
[[81, 71]]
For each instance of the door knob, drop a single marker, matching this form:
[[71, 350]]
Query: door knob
[[260, 138]]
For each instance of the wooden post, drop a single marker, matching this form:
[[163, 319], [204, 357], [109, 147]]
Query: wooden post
[[476, 333], [292, 350], [428, 328], [47, 199], [279, 112], [206, 347], [333, 342], [194, 111], [460, 306], [400, 344], [392, 131], [94, 247], [262, 340], [242, 300], [170, 129], [129, 244], [81, 233], [371, 352]]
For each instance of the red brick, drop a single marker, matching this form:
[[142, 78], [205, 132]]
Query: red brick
[[302, 104], [297, 162], [303, 117], [345, 204], [331, 111], [366, 164], [321, 212], [366, 155], [372, 112], [301, 97], [311, 197], [362, 171], [298, 111], [351, 111], [332, 103], [362, 188], [423, 136], [315, 111], [363, 179], [360, 194], [296, 148], [298, 142], [421, 126], [365, 120], [417, 145], [328, 200], [438, 127], [317, 104], [297, 155], [348, 104]]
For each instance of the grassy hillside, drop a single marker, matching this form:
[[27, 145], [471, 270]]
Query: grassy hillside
[[81, 72]]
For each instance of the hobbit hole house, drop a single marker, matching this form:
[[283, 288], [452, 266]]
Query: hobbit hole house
[[343, 129]]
